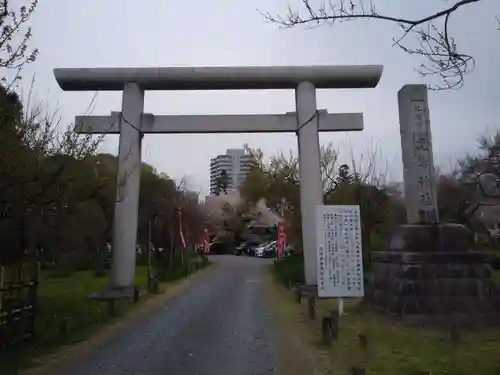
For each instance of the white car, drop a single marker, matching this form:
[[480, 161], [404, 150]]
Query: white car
[[259, 252]]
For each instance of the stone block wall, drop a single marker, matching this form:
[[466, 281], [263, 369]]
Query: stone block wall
[[431, 273]]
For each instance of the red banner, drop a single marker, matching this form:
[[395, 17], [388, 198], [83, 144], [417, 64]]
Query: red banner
[[181, 232], [281, 240]]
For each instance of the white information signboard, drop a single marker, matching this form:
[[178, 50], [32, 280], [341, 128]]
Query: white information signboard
[[339, 252]]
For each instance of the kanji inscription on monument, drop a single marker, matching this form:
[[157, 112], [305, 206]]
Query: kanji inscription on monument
[[418, 163], [339, 251]]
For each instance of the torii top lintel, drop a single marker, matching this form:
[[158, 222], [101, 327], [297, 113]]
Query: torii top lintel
[[219, 78]]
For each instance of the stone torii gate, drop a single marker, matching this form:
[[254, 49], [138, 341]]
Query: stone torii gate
[[132, 123]]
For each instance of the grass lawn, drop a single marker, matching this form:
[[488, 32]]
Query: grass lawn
[[496, 276], [66, 315], [394, 349]]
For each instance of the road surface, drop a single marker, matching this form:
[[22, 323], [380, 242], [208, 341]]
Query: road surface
[[219, 326]]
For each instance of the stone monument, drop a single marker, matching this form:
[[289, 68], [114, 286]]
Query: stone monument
[[430, 271]]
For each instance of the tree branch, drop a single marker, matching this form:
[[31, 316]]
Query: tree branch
[[434, 44]]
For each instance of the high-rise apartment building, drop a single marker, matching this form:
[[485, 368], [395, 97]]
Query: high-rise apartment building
[[236, 162]]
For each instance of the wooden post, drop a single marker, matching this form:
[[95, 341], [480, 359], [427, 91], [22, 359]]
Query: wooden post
[[186, 249], [363, 340], [150, 271], [64, 327], [136, 294], [111, 307], [454, 329], [2, 278], [171, 254], [298, 294], [334, 315], [33, 299], [326, 330], [358, 371], [311, 304]]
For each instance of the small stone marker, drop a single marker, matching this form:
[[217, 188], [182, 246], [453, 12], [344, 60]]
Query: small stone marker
[[418, 161]]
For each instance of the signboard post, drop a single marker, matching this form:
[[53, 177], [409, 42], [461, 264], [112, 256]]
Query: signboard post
[[281, 240], [339, 252]]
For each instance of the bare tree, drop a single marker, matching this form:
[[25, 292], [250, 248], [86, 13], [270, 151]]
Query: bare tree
[[434, 42], [14, 37], [369, 167], [328, 165]]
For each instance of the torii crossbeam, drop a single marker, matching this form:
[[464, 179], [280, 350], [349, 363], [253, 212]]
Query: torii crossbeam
[[200, 124], [131, 123]]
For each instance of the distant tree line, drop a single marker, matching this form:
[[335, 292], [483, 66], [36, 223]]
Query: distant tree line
[[57, 194], [461, 192]]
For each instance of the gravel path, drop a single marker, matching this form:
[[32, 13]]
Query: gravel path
[[219, 326]]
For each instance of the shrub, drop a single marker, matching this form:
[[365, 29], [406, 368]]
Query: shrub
[[290, 270]]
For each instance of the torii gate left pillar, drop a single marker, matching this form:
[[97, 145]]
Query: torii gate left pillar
[[131, 123]]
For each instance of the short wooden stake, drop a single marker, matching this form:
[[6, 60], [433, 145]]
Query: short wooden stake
[[2, 278], [358, 371], [326, 330], [111, 307], [363, 340], [334, 315], [136, 294], [311, 304], [298, 294]]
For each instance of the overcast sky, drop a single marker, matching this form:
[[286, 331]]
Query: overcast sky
[[94, 33]]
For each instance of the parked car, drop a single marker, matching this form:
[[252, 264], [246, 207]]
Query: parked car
[[259, 250], [241, 249], [270, 250], [266, 250], [245, 248]]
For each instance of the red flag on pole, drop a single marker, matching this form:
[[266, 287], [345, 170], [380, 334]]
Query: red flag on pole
[[281, 240], [181, 232]]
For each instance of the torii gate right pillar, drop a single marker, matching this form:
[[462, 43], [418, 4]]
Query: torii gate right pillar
[[311, 189]]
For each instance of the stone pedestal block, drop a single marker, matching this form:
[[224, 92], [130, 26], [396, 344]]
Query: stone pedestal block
[[431, 273]]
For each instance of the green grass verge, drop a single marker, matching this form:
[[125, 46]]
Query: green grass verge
[[395, 349], [66, 315], [496, 276]]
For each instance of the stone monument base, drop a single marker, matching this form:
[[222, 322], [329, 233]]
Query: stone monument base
[[431, 276]]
